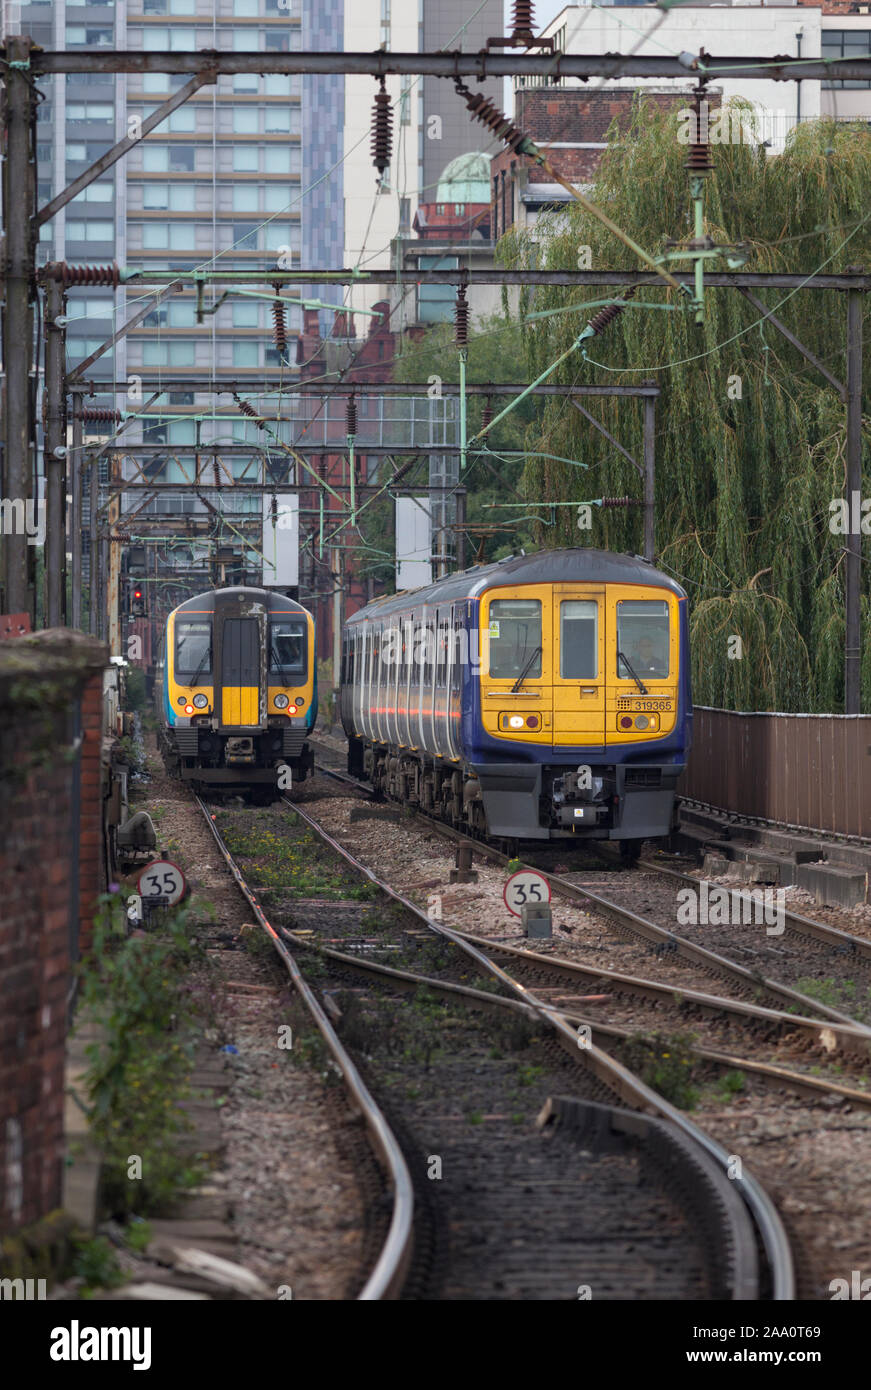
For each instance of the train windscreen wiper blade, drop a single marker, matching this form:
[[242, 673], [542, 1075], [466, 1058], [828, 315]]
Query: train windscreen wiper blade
[[525, 672], [641, 686], [281, 670], [199, 671]]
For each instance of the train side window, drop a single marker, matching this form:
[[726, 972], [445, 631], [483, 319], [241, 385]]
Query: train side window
[[642, 638], [515, 637], [193, 650], [579, 639]]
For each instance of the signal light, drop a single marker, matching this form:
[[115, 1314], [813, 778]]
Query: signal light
[[137, 599]]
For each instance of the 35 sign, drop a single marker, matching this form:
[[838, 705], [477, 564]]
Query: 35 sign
[[162, 879], [526, 888]]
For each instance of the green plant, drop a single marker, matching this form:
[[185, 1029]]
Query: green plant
[[665, 1063], [135, 990], [138, 1235], [732, 1083], [96, 1263]]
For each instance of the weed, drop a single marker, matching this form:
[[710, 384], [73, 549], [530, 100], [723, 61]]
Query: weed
[[732, 1083], [96, 1263], [138, 1235], [665, 1063]]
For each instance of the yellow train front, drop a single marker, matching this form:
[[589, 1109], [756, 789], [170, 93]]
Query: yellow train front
[[239, 691], [543, 697]]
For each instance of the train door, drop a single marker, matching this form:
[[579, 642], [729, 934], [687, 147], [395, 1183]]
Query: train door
[[240, 673], [578, 616]]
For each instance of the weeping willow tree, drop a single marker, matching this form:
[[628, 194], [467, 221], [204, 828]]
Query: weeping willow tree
[[750, 439]]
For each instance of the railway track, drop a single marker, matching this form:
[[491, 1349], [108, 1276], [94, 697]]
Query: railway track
[[839, 952], [605, 1083]]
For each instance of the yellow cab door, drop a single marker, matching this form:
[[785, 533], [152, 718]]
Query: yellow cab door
[[240, 702], [578, 622], [515, 673], [643, 652]]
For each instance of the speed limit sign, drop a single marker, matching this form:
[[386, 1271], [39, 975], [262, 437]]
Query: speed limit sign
[[162, 879], [525, 889]]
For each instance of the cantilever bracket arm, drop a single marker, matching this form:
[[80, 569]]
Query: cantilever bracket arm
[[796, 342], [112, 156], [610, 438]]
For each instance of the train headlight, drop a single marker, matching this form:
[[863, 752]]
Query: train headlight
[[201, 701], [188, 709], [625, 722], [281, 702], [641, 721], [517, 722]]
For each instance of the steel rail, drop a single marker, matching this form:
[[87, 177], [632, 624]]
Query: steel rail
[[807, 927], [386, 1278], [610, 1072], [770, 1072]]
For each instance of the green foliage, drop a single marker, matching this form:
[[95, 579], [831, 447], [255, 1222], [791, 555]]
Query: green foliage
[[743, 486], [495, 353], [134, 684], [732, 1083], [665, 1063], [134, 991], [96, 1263]]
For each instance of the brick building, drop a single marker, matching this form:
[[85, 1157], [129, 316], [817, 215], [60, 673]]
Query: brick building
[[571, 125]]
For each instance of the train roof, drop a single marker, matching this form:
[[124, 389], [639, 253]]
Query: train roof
[[205, 603], [580, 565]]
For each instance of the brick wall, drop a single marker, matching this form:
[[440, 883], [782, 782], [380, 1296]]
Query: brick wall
[[562, 120], [50, 856]]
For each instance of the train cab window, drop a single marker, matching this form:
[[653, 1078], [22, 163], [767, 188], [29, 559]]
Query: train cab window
[[515, 637], [642, 638], [579, 639], [193, 651], [287, 651]]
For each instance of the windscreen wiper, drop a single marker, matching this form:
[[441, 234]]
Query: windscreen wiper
[[641, 686], [199, 671], [525, 672], [281, 670]]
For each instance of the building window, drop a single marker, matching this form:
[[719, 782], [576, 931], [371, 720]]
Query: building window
[[435, 303], [96, 193], [246, 354], [276, 198], [246, 121], [277, 159], [277, 235], [245, 236], [177, 354], [405, 102], [78, 34], [245, 159], [246, 81], [405, 215], [246, 9], [246, 315], [246, 198], [90, 231], [79, 111], [173, 236], [277, 120], [846, 43]]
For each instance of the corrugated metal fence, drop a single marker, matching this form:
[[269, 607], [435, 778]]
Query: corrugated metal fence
[[809, 770]]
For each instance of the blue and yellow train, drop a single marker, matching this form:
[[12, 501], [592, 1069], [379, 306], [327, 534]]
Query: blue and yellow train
[[544, 697], [239, 691]]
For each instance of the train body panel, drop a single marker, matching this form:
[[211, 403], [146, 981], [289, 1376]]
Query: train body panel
[[546, 696], [239, 688]]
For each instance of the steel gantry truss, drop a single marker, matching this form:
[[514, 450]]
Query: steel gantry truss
[[21, 62]]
